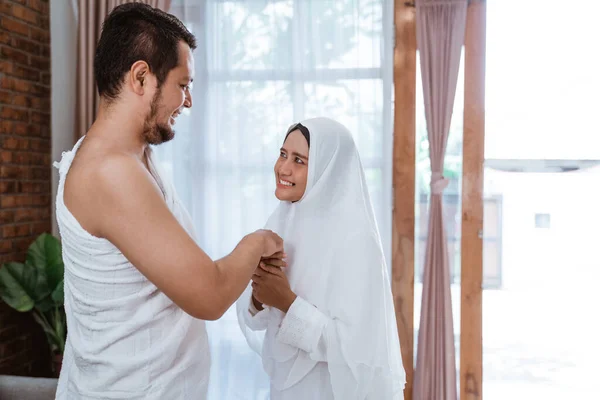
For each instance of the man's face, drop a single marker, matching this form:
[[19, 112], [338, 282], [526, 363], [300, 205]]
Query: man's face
[[170, 99]]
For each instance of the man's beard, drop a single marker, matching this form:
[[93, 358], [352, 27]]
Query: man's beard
[[155, 132]]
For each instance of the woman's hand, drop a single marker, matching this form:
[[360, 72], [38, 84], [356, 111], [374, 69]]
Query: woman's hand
[[270, 285], [274, 260]]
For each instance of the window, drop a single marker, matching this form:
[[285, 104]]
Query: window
[[262, 65]]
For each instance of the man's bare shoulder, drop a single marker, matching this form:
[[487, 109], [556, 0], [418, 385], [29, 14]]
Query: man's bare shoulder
[[99, 179], [95, 171]]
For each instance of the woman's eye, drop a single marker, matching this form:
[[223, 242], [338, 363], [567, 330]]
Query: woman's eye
[[299, 160]]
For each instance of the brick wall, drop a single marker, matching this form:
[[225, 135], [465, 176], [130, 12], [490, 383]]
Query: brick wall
[[25, 151]]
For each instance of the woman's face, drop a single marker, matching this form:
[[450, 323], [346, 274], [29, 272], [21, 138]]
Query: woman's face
[[291, 168]]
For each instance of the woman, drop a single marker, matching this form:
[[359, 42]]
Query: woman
[[325, 327]]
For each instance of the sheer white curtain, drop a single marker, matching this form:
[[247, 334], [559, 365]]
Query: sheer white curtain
[[260, 66]]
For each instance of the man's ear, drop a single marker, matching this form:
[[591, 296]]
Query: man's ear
[[139, 77]]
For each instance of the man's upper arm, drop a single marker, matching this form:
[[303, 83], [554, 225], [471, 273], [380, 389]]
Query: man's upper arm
[[133, 215]]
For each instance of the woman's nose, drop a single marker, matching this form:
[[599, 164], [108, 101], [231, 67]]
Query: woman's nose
[[285, 169]]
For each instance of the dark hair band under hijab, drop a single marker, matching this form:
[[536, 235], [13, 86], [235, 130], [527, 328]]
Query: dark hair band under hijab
[[302, 129]]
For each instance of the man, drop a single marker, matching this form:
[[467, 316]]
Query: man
[[137, 287]]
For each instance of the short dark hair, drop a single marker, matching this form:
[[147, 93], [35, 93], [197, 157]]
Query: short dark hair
[[134, 32]]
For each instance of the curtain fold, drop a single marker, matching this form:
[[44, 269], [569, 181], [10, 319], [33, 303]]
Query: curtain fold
[[440, 35]]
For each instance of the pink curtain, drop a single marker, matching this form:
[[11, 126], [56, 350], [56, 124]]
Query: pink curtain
[[91, 15], [440, 35]]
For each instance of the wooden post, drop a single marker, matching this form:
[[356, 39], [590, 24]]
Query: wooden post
[[403, 224], [472, 205]]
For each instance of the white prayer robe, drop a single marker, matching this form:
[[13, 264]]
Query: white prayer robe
[[339, 339]]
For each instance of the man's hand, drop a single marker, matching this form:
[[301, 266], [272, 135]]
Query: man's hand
[[276, 260], [270, 286], [272, 242]]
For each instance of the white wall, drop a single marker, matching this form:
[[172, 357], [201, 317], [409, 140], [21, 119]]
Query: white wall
[[63, 46]]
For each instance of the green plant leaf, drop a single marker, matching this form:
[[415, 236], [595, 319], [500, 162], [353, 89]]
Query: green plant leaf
[[58, 295], [45, 304], [45, 253], [17, 285]]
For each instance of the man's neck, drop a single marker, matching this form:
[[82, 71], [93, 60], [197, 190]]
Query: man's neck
[[120, 126]]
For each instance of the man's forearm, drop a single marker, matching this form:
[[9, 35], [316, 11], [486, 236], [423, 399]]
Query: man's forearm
[[235, 270]]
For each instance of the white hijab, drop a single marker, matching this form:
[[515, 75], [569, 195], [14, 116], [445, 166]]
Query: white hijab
[[335, 262]]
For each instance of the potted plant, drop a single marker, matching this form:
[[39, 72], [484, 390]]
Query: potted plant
[[36, 286]]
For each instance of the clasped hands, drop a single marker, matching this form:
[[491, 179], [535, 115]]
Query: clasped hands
[[270, 285]]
